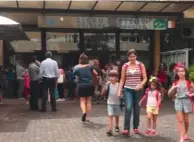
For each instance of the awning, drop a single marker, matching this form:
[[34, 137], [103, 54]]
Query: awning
[[98, 7], [11, 30]]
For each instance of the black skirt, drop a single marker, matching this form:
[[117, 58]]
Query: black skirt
[[86, 91]]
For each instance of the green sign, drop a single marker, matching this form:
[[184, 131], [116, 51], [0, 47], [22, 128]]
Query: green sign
[[159, 24]]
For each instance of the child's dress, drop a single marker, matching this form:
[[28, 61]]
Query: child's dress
[[26, 85], [182, 101]]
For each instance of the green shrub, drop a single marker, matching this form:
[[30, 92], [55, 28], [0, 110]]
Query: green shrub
[[191, 73]]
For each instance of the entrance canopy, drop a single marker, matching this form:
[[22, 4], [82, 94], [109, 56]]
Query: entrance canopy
[[161, 7], [11, 30]]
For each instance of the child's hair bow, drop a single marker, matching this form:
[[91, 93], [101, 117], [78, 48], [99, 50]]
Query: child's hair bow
[[178, 65], [152, 78]]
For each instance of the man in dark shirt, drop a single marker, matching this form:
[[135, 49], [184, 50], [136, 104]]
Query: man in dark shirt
[[34, 84]]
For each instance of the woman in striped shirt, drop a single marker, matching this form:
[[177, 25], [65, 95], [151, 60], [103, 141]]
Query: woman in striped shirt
[[133, 78]]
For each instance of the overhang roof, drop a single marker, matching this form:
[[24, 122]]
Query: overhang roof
[[92, 6], [11, 30]]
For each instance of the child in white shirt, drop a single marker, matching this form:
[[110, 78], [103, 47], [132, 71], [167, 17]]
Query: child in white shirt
[[153, 98]]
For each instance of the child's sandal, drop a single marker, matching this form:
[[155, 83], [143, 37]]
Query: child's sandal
[[186, 137], [109, 133], [117, 129]]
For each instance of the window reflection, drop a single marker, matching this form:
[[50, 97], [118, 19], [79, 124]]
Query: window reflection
[[136, 40], [63, 37], [62, 42], [28, 46], [99, 41]]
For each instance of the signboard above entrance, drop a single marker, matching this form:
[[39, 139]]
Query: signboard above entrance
[[142, 23], [103, 22], [92, 22]]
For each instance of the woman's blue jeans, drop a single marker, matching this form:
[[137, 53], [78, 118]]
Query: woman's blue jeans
[[131, 98]]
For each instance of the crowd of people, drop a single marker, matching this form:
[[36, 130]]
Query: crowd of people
[[123, 85], [131, 87]]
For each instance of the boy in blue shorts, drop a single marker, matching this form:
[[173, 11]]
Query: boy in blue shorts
[[113, 101]]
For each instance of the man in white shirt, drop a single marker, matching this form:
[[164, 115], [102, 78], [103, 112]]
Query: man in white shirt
[[49, 74]]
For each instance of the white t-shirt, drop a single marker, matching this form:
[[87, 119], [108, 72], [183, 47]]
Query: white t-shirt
[[152, 98], [113, 99]]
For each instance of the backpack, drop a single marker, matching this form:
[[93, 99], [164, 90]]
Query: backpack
[[139, 65], [157, 95], [70, 76], [188, 88]]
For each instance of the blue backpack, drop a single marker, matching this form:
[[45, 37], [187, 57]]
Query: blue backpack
[[70, 76]]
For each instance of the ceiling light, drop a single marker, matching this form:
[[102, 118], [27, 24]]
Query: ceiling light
[[61, 18]]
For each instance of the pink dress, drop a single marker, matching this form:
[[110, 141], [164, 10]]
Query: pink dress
[[26, 84]]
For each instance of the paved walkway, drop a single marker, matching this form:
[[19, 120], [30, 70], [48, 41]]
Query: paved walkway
[[17, 124]]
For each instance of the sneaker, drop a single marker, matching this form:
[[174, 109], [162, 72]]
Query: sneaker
[[126, 132], [58, 100], [21, 98], [136, 131], [117, 129], [63, 99], [109, 133], [153, 133], [148, 132]]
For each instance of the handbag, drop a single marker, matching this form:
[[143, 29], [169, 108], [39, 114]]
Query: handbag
[[61, 77], [56, 93]]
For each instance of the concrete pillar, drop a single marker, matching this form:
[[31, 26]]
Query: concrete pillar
[[157, 44], [1, 53], [117, 44]]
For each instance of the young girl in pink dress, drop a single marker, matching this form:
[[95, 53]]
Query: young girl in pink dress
[[27, 86]]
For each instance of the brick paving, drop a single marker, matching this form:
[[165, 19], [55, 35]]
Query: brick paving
[[17, 124]]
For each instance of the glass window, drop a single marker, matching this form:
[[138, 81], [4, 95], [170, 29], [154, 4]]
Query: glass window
[[62, 42], [28, 46], [99, 41], [138, 41]]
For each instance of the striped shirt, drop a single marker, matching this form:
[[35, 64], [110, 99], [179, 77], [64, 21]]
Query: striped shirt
[[133, 76]]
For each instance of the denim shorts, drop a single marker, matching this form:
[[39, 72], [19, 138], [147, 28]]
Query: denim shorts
[[114, 110], [183, 104]]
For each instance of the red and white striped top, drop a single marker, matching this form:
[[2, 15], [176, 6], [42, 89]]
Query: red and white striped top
[[133, 77]]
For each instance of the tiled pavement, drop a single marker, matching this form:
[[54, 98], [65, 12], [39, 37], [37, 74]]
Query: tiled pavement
[[17, 124]]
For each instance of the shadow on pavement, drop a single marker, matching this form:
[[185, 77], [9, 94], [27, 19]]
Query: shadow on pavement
[[14, 117], [93, 125], [140, 138]]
